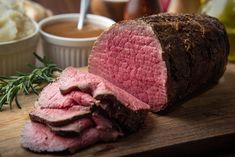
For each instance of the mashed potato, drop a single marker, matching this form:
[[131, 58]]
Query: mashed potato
[[14, 24]]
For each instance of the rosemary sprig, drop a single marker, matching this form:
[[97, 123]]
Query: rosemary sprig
[[26, 82]]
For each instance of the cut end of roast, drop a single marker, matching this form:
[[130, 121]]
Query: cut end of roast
[[129, 55], [162, 59]]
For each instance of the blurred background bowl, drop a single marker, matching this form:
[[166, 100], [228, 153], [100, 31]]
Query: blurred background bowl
[[65, 51], [16, 54]]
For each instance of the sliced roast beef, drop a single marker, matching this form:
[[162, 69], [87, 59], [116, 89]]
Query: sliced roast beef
[[51, 97], [127, 110], [94, 120], [58, 117], [37, 137], [67, 125], [73, 128], [162, 59]]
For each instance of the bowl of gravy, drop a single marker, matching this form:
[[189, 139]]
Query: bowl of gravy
[[64, 44]]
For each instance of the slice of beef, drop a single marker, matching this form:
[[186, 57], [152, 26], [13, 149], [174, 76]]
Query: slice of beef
[[37, 137], [102, 124], [126, 109], [162, 59], [58, 117], [51, 97], [73, 128]]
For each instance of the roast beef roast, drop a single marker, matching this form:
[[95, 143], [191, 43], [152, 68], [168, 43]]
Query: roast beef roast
[[162, 59]]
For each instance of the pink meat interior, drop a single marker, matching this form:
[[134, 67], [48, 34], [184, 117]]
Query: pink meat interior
[[39, 138], [130, 56]]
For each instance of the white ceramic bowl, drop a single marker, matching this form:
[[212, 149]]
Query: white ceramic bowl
[[69, 51], [16, 54]]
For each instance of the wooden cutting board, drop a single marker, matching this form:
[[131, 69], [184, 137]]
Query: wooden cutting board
[[204, 123]]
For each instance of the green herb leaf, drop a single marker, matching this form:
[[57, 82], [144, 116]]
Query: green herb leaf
[[26, 82]]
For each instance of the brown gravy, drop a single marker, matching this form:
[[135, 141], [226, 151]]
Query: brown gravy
[[69, 29]]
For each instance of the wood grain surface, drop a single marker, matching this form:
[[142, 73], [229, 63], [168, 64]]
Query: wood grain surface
[[205, 123]]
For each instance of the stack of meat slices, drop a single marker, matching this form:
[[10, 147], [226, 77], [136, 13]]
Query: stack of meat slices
[[78, 110]]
